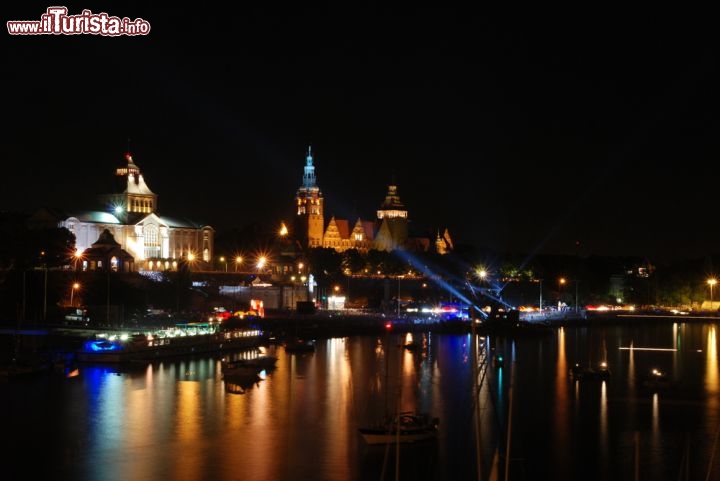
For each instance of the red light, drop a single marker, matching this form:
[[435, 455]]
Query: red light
[[388, 326]]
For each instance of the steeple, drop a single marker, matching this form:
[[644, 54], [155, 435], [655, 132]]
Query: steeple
[[309, 174], [309, 222]]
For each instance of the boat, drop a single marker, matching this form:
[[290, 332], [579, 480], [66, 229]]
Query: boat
[[262, 361], [588, 373], [182, 340], [657, 379], [240, 384], [405, 427], [299, 345], [239, 369], [248, 366]]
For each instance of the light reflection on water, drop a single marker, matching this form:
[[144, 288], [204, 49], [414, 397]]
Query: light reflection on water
[[180, 420]]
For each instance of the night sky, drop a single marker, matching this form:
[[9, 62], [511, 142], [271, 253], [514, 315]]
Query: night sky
[[522, 134]]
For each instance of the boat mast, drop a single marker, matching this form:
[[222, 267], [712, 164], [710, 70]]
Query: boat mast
[[478, 370], [509, 424]]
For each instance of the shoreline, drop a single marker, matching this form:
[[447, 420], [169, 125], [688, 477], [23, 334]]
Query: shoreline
[[44, 339]]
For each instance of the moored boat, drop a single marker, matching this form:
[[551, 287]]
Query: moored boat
[[599, 373], [657, 379], [239, 369], [263, 361], [299, 345], [405, 427], [182, 340]]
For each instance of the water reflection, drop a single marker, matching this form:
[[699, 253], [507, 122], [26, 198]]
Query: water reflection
[[182, 420]]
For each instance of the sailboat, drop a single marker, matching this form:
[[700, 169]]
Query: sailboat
[[401, 427], [404, 427]]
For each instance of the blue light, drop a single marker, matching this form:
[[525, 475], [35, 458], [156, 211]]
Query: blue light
[[101, 346]]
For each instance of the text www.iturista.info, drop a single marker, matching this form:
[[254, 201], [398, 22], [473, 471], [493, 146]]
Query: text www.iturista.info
[[56, 21]]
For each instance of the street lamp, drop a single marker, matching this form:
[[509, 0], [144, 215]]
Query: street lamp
[[292, 292], [561, 283], [304, 289], [540, 280], [72, 292], [347, 277], [711, 282], [576, 295], [398, 296], [224, 261], [78, 257], [238, 261]]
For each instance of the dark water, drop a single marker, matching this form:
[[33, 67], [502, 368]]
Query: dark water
[[179, 420]]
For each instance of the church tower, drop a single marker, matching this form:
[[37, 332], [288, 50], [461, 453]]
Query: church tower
[[392, 218], [309, 220]]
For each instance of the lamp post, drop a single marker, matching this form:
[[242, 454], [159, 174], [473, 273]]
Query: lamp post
[[398, 296], [224, 261], [292, 292], [72, 292], [262, 260], [577, 308], [78, 257], [304, 289], [540, 280], [107, 270], [238, 261], [711, 282], [561, 283]]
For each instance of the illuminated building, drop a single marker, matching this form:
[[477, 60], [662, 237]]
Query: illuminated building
[[389, 231], [155, 242]]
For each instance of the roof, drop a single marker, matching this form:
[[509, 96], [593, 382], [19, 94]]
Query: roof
[[181, 222], [95, 217]]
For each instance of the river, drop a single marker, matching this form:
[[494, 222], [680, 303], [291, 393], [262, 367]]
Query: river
[[179, 420]]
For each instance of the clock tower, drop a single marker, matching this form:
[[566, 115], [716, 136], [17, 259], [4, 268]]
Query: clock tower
[[309, 204]]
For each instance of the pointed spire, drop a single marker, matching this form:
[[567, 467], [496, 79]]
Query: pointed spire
[[309, 171]]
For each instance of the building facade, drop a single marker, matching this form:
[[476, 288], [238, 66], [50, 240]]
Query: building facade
[[155, 242], [388, 231]]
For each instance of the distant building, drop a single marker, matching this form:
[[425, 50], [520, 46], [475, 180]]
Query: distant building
[[387, 232], [130, 218]]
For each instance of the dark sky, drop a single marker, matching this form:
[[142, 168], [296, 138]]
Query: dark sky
[[519, 133]]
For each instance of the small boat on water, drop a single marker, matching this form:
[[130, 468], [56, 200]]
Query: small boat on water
[[263, 361], [239, 369], [588, 373], [251, 365], [405, 427], [253, 360], [299, 345], [182, 340], [657, 379], [241, 384]]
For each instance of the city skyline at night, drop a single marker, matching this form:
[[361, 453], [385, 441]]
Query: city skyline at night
[[516, 134]]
